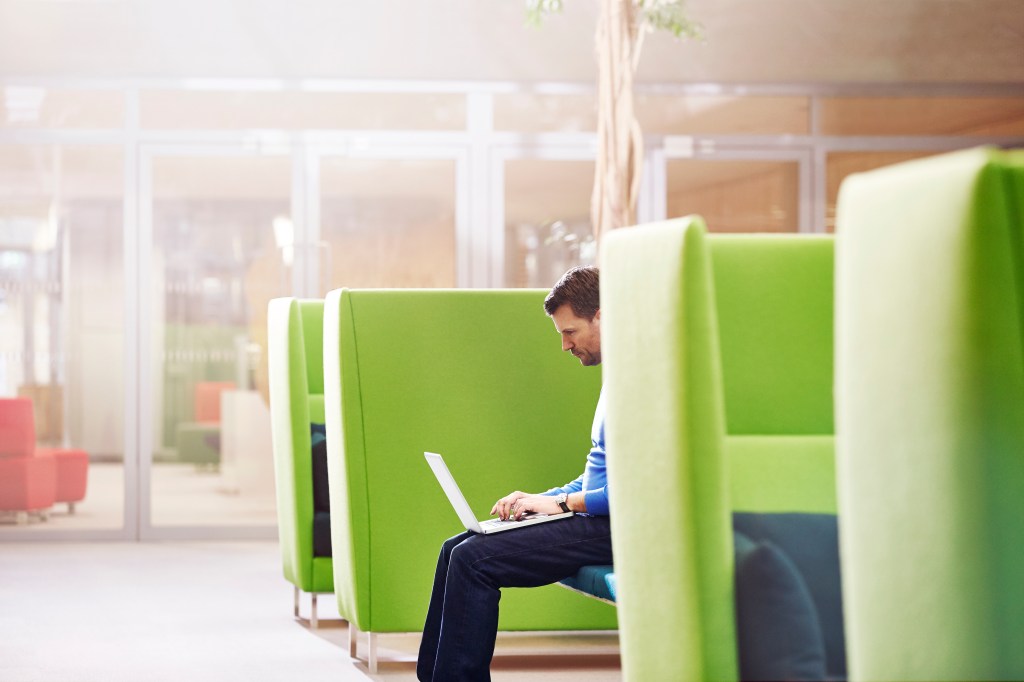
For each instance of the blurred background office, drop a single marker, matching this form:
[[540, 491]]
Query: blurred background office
[[166, 168]]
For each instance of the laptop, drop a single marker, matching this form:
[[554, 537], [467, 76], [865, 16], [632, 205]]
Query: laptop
[[462, 508]]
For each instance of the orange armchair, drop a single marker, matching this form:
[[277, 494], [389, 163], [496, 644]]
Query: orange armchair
[[72, 474], [28, 478], [34, 479]]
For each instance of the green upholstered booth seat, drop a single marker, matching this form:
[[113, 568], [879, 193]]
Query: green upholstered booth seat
[[930, 417], [198, 443], [477, 376], [718, 381], [759, 467], [295, 341]]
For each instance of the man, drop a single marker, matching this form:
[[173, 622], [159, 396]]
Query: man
[[462, 619]]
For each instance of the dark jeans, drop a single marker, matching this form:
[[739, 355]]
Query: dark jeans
[[462, 620]]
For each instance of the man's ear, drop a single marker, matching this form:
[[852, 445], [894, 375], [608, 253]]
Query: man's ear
[[597, 315]]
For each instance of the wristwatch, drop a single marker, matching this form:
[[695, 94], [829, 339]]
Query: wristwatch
[[561, 499]]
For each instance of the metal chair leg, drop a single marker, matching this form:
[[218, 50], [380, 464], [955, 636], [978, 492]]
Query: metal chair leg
[[353, 639], [312, 615], [371, 659], [296, 602]]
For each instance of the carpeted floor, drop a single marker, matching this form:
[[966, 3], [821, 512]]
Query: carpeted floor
[[196, 611]]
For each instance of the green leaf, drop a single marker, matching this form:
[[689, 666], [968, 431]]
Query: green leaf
[[537, 9]]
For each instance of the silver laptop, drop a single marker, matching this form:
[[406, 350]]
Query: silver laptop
[[462, 508]]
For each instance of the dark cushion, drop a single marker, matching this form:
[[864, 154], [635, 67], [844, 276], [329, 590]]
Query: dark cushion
[[777, 630], [321, 494], [811, 543], [322, 534]]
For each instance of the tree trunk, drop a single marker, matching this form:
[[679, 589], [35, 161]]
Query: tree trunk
[[619, 139]]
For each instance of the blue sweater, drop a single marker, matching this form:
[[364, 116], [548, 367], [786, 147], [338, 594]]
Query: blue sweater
[[594, 479]]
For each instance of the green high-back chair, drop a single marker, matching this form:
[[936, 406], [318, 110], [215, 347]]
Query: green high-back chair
[[718, 381], [295, 355], [930, 417], [477, 376]]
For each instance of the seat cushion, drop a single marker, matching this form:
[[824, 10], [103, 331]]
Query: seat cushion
[[811, 543], [72, 472], [782, 473], [321, 492], [322, 534], [613, 585], [777, 630], [28, 483], [592, 580], [321, 496]]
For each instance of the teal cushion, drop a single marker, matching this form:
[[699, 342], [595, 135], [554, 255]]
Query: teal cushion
[[777, 629], [593, 581], [612, 584]]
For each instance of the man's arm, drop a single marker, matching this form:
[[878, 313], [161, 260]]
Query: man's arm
[[573, 486], [514, 505]]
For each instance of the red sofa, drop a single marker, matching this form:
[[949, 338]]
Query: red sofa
[[34, 479]]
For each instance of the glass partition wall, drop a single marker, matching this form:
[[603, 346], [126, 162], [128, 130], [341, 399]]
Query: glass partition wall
[[546, 212], [62, 333], [145, 226], [387, 222], [214, 263]]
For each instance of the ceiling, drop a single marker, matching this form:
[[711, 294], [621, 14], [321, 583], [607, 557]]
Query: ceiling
[[746, 41]]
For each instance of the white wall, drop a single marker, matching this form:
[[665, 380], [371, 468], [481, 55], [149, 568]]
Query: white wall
[[750, 41]]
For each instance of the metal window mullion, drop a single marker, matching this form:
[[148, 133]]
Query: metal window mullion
[[145, 360], [305, 274], [820, 189], [653, 205], [465, 235], [481, 235], [496, 221], [805, 198], [134, 310]]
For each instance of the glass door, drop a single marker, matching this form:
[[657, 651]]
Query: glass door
[[218, 242]]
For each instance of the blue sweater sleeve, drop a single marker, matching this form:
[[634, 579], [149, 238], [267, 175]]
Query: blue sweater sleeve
[[597, 501], [573, 486], [594, 479]]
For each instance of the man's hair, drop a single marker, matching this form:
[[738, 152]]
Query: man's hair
[[580, 287]]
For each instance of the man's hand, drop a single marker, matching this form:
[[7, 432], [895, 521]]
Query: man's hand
[[514, 505]]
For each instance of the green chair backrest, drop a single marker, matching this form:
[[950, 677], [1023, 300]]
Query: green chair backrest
[[476, 376], [718, 369], [295, 358], [666, 426], [773, 305], [311, 323], [773, 300], [930, 417]]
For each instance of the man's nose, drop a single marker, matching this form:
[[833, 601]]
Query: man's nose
[[566, 345]]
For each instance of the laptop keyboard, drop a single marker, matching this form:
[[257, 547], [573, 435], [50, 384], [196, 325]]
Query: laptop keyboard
[[497, 523]]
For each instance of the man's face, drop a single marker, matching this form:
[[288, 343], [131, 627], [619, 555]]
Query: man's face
[[580, 336]]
